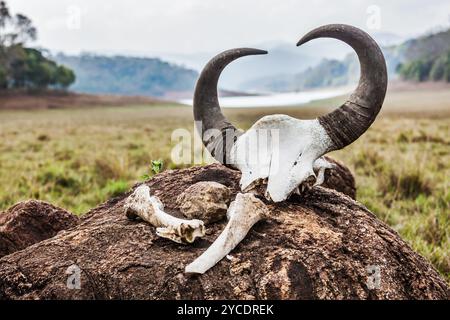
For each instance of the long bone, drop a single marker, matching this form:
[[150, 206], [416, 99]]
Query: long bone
[[150, 208], [243, 213]]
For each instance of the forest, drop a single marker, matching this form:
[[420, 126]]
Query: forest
[[22, 67]]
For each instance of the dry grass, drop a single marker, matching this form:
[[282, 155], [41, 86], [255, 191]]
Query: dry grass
[[18, 100], [80, 157]]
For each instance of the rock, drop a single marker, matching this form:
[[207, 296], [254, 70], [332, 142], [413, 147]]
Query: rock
[[29, 222], [323, 245], [340, 179], [205, 200]]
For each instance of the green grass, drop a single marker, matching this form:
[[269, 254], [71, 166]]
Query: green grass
[[78, 158], [407, 183]]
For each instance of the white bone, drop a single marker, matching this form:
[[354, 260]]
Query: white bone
[[282, 150], [320, 165], [244, 212], [151, 209]]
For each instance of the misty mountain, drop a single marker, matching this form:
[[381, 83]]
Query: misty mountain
[[333, 72], [426, 47], [327, 73], [323, 62], [127, 75], [426, 58], [284, 61]]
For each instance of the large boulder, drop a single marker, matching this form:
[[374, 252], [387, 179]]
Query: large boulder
[[322, 245], [30, 222]]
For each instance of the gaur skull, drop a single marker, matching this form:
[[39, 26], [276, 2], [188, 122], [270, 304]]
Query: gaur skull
[[287, 162], [278, 151]]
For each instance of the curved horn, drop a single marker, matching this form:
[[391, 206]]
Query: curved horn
[[347, 123], [207, 113]]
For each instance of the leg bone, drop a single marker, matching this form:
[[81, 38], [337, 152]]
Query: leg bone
[[150, 209], [244, 212]]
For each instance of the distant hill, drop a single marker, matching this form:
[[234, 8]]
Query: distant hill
[[426, 58], [321, 63], [328, 72], [284, 60], [423, 58], [425, 47], [121, 75]]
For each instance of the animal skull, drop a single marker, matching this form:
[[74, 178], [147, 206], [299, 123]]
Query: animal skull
[[278, 151], [287, 163]]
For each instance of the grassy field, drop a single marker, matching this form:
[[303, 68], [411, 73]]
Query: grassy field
[[80, 157]]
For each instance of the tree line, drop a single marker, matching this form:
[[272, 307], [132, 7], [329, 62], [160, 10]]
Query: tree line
[[436, 69], [22, 67]]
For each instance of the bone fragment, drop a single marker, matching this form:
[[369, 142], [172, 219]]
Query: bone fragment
[[150, 209]]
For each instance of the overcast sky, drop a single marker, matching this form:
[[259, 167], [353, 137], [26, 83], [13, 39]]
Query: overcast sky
[[187, 26]]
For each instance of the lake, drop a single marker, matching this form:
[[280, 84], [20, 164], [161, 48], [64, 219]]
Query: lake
[[278, 99]]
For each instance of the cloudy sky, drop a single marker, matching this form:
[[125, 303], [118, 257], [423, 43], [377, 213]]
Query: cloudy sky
[[187, 26]]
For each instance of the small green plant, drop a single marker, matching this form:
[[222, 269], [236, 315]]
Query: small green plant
[[155, 168]]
